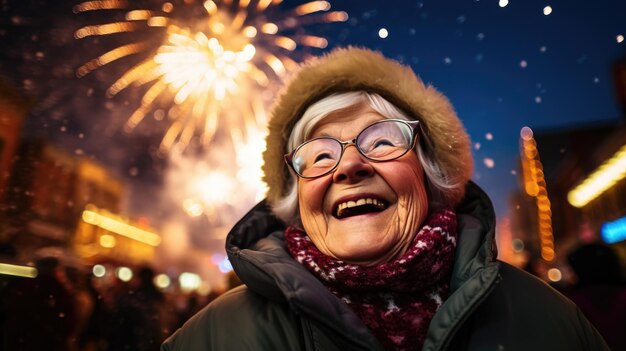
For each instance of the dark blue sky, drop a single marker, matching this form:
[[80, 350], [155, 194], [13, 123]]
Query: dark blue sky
[[473, 51], [502, 67]]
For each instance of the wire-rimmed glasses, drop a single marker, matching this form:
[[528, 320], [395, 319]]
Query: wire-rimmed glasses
[[384, 140]]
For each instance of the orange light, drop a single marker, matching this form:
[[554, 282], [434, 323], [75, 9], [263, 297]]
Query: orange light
[[535, 186], [107, 222], [554, 274]]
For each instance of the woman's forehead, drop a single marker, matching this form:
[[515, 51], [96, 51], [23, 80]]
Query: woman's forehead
[[346, 121]]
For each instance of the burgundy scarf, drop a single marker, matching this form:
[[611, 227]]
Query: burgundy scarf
[[396, 300]]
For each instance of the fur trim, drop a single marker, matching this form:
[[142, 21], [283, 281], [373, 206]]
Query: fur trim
[[353, 69]]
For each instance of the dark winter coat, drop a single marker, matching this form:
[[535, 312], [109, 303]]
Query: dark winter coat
[[492, 305]]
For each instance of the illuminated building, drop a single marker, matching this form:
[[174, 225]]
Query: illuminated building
[[104, 236], [40, 209], [583, 169], [569, 158], [96, 185], [73, 203], [619, 72], [48, 190], [13, 109]]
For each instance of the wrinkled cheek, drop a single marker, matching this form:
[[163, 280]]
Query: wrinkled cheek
[[413, 202], [311, 194]]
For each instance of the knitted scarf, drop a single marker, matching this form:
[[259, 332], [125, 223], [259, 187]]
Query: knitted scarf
[[396, 300]]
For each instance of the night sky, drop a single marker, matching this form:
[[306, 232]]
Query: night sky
[[502, 67]]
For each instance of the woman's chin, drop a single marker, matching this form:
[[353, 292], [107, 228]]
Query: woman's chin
[[362, 252]]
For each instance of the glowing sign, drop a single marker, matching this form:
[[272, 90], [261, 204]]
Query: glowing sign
[[613, 232], [18, 271], [602, 179], [107, 222]]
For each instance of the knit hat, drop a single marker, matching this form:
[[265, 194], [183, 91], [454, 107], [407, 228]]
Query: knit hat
[[357, 69]]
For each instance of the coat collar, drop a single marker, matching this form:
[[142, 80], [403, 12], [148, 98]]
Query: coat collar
[[257, 250], [475, 271]]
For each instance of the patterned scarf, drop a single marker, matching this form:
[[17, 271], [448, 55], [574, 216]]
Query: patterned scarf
[[396, 300]]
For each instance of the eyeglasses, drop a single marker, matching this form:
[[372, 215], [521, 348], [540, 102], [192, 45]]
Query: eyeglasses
[[384, 140]]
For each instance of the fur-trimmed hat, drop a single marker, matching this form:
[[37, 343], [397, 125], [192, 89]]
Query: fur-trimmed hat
[[356, 69]]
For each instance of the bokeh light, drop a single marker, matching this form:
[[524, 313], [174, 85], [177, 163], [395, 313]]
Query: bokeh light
[[98, 270], [124, 274], [189, 281], [547, 10], [555, 275], [162, 281]]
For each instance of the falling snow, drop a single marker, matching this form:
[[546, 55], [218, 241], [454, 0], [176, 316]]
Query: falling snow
[[547, 10]]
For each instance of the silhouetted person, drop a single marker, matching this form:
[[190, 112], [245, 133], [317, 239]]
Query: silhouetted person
[[600, 294], [140, 322], [94, 333], [40, 311]]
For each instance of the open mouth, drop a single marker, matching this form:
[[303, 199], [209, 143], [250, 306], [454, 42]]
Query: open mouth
[[359, 207]]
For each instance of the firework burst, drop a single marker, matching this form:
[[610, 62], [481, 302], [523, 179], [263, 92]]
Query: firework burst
[[203, 64]]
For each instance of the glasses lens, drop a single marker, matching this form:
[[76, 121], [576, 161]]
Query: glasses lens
[[316, 157], [385, 140]]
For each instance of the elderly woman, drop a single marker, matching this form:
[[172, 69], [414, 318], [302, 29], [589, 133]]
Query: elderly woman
[[372, 236]]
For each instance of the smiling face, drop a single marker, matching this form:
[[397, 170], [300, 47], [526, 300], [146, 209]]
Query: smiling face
[[364, 212]]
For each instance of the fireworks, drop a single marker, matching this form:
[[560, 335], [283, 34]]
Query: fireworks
[[205, 64], [204, 67]]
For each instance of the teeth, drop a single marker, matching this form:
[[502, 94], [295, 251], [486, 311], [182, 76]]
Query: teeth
[[360, 202]]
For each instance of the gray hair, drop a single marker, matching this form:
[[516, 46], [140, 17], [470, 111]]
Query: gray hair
[[286, 208]]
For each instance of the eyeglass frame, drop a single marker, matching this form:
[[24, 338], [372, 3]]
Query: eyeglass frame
[[414, 125]]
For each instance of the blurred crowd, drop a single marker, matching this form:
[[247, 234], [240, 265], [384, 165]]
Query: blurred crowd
[[599, 291], [67, 308]]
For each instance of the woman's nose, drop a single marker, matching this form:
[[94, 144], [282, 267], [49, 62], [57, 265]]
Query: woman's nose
[[352, 167]]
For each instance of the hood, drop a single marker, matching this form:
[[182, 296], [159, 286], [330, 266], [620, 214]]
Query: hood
[[476, 248], [356, 69]]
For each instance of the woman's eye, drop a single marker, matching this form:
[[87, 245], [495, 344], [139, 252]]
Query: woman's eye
[[321, 157], [383, 142]]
